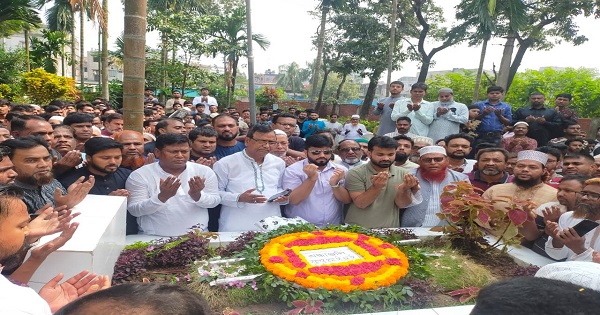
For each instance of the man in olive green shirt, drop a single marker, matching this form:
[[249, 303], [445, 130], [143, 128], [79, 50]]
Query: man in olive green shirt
[[379, 189]]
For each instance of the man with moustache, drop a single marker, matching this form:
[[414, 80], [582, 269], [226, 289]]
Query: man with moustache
[[247, 179], [313, 124], [433, 175], [227, 131], [287, 123], [318, 194], [33, 164], [203, 143], [385, 106], [64, 139], [564, 242], [7, 169], [378, 189], [103, 160], [527, 185], [403, 151], [133, 150], [171, 196], [403, 125], [490, 169], [542, 120], [566, 194], [577, 163], [449, 115], [350, 153], [458, 147]]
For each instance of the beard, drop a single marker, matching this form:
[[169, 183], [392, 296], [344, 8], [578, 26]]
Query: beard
[[103, 170], [40, 179], [317, 162], [401, 157], [227, 137], [133, 163], [435, 177], [351, 161], [526, 183], [382, 163], [585, 211], [490, 172], [456, 155]]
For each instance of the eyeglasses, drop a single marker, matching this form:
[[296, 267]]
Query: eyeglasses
[[317, 152], [588, 194], [356, 149], [263, 142], [431, 160], [287, 125]]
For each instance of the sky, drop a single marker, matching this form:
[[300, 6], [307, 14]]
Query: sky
[[289, 27]]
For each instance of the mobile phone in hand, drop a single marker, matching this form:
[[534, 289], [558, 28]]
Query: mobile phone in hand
[[585, 226], [286, 192]]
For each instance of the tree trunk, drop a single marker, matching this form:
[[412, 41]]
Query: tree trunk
[[105, 94], [365, 109], [62, 60], [73, 47], [322, 90], [26, 33], [514, 67], [320, 43], [163, 60], [336, 106], [504, 70], [424, 68], [134, 62], [81, 47], [479, 71], [233, 76], [391, 48]]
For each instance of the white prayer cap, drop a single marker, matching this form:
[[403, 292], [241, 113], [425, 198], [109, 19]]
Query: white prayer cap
[[532, 155], [446, 90], [280, 132], [59, 118], [521, 123], [432, 149], [355, 116], [427, 140]]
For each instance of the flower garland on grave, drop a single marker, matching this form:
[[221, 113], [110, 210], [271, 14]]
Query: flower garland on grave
[[376, 263], [387, 290]]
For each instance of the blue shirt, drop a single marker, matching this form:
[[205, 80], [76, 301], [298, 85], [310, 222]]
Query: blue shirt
[[309, 127], [221, 152], [490, 122]]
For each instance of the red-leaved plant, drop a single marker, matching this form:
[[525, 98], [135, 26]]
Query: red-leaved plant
[[467, 213], [306, 307]]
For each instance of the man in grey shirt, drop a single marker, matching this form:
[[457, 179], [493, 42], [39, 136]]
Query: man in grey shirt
[[384, 109], [448, 115]]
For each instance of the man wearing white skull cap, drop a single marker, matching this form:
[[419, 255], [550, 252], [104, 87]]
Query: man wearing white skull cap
[[433, 175], [528, 185], [448, 115]]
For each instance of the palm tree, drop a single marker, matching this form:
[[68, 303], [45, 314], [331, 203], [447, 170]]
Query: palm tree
[[104, 56], [61, 17], [290, 80], [18, 10], [230, 39], [134, 62]]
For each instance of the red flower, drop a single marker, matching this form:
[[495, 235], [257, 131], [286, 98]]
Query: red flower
[[319, 240], [369, 248], [357, 281], [276, 259], [386, 245], [301, 274], [393, 261]]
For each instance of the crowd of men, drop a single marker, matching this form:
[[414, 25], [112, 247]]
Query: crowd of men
[[197, 166]]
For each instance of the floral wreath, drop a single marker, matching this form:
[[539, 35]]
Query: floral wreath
[[382, 264]]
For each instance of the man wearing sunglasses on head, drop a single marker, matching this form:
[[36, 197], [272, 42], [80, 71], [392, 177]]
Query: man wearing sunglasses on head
[[433, 175], [318, 192], [350, 153]]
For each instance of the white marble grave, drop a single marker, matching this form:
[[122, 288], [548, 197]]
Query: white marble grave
[[96, 244]]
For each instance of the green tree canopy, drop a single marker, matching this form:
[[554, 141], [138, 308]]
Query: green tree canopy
[[582, 83]]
